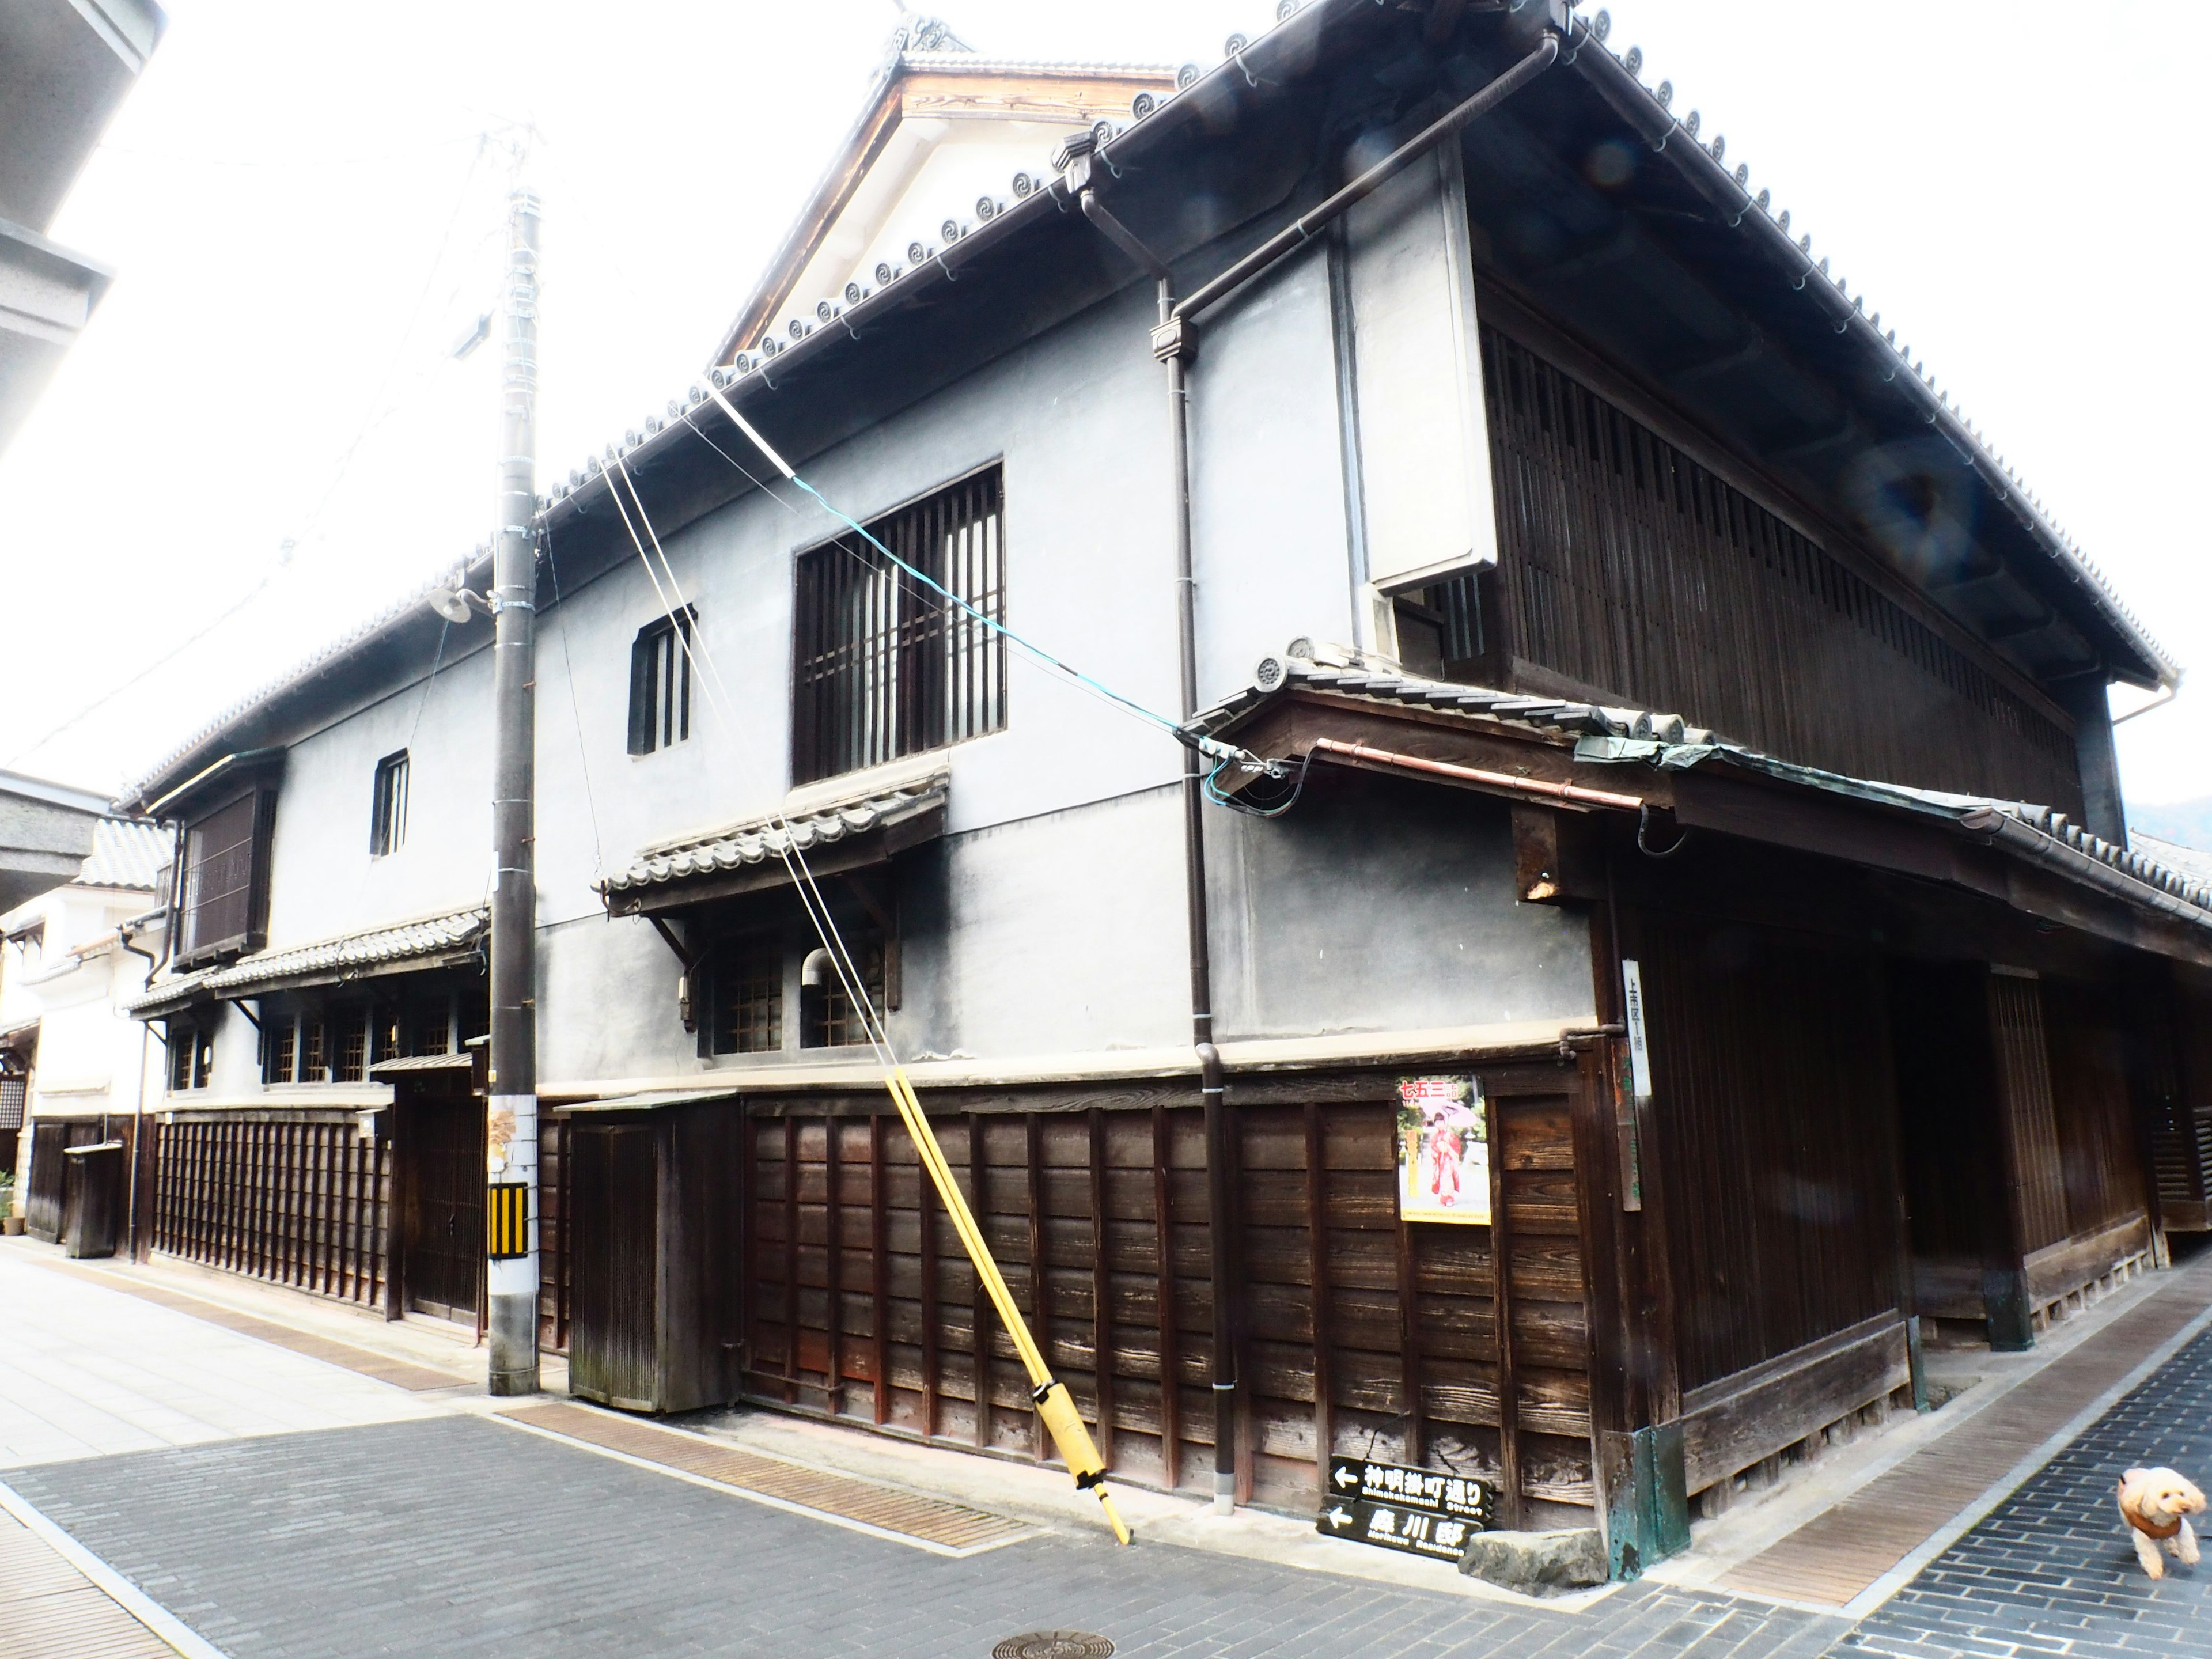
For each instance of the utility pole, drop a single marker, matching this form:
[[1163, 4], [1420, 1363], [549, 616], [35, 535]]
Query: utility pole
[[511, 1137]]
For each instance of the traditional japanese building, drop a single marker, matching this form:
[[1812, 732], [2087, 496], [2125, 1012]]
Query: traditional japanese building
[[1653, 943]]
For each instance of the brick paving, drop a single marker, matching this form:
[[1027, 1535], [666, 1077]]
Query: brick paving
[[2050, 1570], [455, 1535]]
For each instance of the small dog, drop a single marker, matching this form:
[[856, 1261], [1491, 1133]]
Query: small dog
[[2157, 1504]]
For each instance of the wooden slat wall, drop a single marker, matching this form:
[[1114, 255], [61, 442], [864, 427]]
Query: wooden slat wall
[[305, 1203], [2026, 1108], [1774, 1110], [2100, 1153], [882, 1328], [1629, 568]]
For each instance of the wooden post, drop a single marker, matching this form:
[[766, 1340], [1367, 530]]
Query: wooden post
[[1101, 1292], [1409, 1341], [1040, 1290], [1501, 1268], [1164, 1260], [879, 1256], [1317, 1269], [977, 1182], [925, 1218], [834, 1266], [790, 1259]]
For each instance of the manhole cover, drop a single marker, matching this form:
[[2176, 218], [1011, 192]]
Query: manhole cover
[[1054, 1645]]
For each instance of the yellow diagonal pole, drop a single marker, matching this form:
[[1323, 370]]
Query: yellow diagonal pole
[[1053, 1403]]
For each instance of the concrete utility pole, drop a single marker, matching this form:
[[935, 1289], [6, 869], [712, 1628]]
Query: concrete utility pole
[[511, 1138]]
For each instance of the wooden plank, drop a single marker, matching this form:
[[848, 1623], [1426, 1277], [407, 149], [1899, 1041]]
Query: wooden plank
[[1317, 1268], [879, 1265], [1102, 1292], [1165, 1316], [1727, 1432], [984, 1316], [1039, 1303], [926, 1210], [2059, 1269]]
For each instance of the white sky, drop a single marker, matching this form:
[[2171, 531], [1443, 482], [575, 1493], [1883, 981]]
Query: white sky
[[303, 217]]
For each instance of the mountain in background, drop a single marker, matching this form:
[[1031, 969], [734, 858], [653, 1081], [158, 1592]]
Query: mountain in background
[[2188, 821]]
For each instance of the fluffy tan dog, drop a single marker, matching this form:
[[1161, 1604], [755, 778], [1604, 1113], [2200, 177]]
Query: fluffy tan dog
[[2157, 1504]]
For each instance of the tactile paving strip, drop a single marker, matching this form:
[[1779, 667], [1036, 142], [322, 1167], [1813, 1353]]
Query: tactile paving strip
[[384, 1368], [47, 1607], [948, 1527]]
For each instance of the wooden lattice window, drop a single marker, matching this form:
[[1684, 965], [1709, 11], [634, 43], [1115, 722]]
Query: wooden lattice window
[[748, 1000], [885, 665], [828, 1017], [191, 1057]]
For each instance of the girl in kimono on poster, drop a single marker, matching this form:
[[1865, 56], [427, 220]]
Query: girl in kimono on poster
[[1443, 1149]]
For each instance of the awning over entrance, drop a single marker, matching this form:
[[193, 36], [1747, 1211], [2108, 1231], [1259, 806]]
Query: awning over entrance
[[1589, 758], [409, 947], [846, 833]]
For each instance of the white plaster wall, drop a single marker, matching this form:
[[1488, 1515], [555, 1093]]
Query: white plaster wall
[[1270, 549]]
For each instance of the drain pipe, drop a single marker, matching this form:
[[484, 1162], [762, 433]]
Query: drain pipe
[[1174, 341]]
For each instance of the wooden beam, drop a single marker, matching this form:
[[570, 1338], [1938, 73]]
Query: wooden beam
[[1317, 1274], [880, 1261]]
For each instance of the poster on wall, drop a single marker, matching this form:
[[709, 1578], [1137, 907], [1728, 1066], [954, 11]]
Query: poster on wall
[[1443, 1149]]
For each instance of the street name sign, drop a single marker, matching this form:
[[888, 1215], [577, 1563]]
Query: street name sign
[[1420, 1512]]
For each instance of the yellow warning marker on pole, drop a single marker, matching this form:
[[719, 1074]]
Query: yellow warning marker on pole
[[1053, 1403]]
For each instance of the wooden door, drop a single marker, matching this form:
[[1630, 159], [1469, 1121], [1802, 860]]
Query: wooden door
[[615, 1266], [445, 1210]]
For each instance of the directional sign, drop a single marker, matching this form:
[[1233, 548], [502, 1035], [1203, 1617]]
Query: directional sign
[[1454, 1497], [1416, 1531], [1394, 1507]]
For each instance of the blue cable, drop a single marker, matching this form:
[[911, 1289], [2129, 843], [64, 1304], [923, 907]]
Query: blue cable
[[992, 622]]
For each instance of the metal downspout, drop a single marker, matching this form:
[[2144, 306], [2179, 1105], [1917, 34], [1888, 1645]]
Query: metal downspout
[[1173, 341], [138, 1110]]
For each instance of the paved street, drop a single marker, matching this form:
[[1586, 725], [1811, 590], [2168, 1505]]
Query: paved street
[[415, 1525]]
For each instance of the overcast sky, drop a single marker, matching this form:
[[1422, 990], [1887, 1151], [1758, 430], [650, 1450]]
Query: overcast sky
[[304, 204]]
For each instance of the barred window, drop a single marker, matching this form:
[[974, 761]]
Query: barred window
[[885, 664], [827, 1016], [748, 1000], [387, 815], [660, 683], [353, 1049], [312, 1060], [280, 1048], [225, 890], [191, 1057]]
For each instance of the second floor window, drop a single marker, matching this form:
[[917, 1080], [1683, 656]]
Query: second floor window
[[660, 683], [387, 814], [885, 664], [223, 898]]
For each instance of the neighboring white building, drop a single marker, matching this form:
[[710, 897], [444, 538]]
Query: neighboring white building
[[74, 955]]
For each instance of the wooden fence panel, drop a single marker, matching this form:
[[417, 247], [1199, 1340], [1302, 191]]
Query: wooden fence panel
[[299, 1203], [1356, 1334]]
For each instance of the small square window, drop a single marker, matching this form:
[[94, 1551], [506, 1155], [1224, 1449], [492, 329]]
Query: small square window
[[748, 1000], [281, 1049], [828, 1017], [660, 683], [387, 817]]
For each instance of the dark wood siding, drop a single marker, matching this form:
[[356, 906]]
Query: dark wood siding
[[617, 1179], [2099, 1148], [1355, 1333], [1773, 1109], [300, 1203], [1629, 569], [2030, 1119]]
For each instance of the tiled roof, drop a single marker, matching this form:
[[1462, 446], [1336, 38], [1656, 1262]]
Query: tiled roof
[[350, 954], [1607, 734], [756, 839], [127, 853]]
